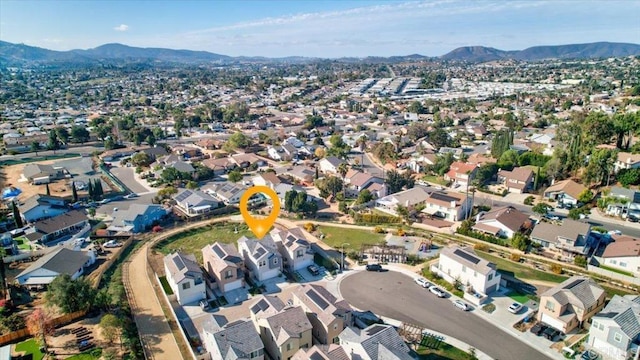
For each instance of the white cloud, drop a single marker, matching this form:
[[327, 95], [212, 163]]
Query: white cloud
[[121, 27]]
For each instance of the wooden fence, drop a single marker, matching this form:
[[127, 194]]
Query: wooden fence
[[57, 322]]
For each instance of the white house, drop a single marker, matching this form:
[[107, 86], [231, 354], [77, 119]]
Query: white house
[[615, 330], [329, 165], [378, 341], [184, 276], [227, 192], [294, 248], [448, 205], [503, 222], [39, 207], [58, 262], [565, 192], [261, 257], [627, 161], [463, 265], [195, 202], [235, 340], [623, 254], [410, 197]]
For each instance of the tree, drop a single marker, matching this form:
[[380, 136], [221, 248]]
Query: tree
[[74, 192], [90, 190], [508, 159], [54, 142], [111, 327], [541, 208], [35, 147], [319, 152], [238, 140], [97, 189], [343, 168], [71, 295], [415, 107], [520, 241], [141, 159], [628, 177], [17, 218], [385, 152], [585, 196], [580, 260], [403, 212], [501, 142], [63, 134], [364, 197], [338, 147], [39, 325], [235, 176], [80, 134], [439, 138], [192, 185], [396, 181]]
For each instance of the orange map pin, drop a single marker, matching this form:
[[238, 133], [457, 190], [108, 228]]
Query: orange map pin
[[258, 226]]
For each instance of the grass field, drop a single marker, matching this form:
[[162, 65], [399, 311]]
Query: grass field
[[444, 352], [30, 347], [36, 158], [622, 272], [519, 271], [520, 297], [335, 237], [94, 354], [192, 241]]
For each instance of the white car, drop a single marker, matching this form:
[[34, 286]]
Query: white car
[[422, 282], [131, 196], [461, 305], [112, 244], [615, 232], [437, 291], [515, 307]]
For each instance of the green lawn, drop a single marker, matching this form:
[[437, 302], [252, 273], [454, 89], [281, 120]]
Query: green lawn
[[165, 285], [94, 354], [519, 297], [521, 272], [622, 272], [23, 243], [445, 352], [335, 237], [30, 347], [435, 179], [192, 241]]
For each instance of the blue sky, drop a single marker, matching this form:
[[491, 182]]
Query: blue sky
[[318, 28]]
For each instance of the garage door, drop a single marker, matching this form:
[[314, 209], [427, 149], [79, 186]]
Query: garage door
[[555, 323], [602, 347], [233, 285]]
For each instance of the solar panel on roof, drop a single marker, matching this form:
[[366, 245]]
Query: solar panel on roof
[[443, 197], [467, 256], [573, 284], [302, 242], [374, 330], [259, 252], [185, 194], [315, 297], [216, 248], [179, 263]]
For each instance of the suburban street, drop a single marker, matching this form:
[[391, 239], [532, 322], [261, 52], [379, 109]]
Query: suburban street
[[394, 295]]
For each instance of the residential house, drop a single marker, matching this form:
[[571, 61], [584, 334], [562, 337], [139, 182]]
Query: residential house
[[376, 342], [356, 181], [408, 198], [623, 254], [448, 205], [9, 245], [227, 192], [261, 257], [519, 180], [461, 174], [565, 192], [626, 161], [330, 165], [328, 315], [457, 152], [284, 152], [286, 332], [505, 222], [58, 262], [264, 307], [246, 160], [627, 202], [219, 166], [301, 173], [155, 152], [38, 174], [571, 304], [294, 247], [463, 265], [195, 202], [322, 352], [39, 207], [267, 179], [224, 266], [49, 230], [238, 340], [615, 331], [138, 218], [570, 239], [184, 276]]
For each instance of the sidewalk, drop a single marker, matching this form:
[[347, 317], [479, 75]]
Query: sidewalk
[[334, 287]]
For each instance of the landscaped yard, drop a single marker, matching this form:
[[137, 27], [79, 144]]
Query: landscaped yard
[[192, 241], [335, 237], [94, 354], [444, 352], [30, 347], [622, 272], [23, 243], [165, 285], [521, 272], [435, 179], [520, 297]]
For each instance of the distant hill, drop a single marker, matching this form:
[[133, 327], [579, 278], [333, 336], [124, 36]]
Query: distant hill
[[17, 54], [572, 51]]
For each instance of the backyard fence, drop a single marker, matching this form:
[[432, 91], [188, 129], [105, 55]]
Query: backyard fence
[[57, 322], [613, 275]]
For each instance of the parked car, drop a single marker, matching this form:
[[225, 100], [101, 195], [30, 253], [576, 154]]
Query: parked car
[[589, 355], [515, 307], [374, 267], [538, 328], [112, 244], [615, 232], [437, 291], [104, 201], [461, 305], [131, 196], [422, 282], [550, 333], [313, 270]]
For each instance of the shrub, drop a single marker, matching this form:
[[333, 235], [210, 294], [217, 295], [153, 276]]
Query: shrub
[[379, 230], [556, 269], [481, 247], [528, 200], [400, 232], [376, 219], [310, 227], [580, 261], [515, 257]]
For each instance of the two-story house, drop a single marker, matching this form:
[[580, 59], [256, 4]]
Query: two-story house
[[50, 230], [328, 315], [137, 218], [286, 332], [519, 180], [237, 340], [461, 174], [322, 352], [505, 221], [570, 304], [294, 247], [261, 257], [463, 265], [356, 181], [330, 165], [448, 205], [627, 202], [569, 239], [378, 341], [265, 306], [224, 266], [626, 161], [408, 198], [184, 276], [40, 207], [623, 254], [227, 192], [615, 331]]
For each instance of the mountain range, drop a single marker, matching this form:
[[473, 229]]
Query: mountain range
[[17, 54]]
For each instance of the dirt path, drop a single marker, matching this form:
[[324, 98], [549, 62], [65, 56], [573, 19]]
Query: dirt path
[[155, 334]]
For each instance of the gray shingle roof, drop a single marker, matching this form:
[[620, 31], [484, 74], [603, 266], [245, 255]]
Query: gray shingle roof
[[578, 291], [570, 229], [625, 311], [183, 266], [61, 261], [468, 258], [375, 335], [238, 340], [290, 323], [60, 222]]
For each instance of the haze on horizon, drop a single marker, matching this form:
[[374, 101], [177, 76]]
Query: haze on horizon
[[318, 29]]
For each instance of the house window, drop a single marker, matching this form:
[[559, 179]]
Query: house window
[[275, 261], [594, 324], [229, 274], [600, 326], [288, 346], [300, 253], [489, 277], [464, 269], [186, 285], [623, 264], [617, 337], [475, 274], [550, 305], [614, 262]]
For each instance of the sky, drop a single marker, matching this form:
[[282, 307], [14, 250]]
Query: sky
[[318, 28]]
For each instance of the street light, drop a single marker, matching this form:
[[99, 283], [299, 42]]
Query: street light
[[342, 258]]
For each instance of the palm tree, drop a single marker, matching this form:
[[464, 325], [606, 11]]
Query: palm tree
[[343, 168]]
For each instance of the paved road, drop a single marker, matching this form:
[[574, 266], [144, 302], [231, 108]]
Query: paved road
[[154, 331], [126, 175], [394, 295], [367, 165]]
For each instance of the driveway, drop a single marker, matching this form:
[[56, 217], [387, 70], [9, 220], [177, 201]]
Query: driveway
[[126, 175], [394, 295]]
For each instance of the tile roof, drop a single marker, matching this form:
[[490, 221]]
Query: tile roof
[[238, 340], [628, 158], [322, 352], [289, 323], [579, 291], [570, 229], [518, 173], [622, 246], [569, 187], [508, 216], [625, 312]]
